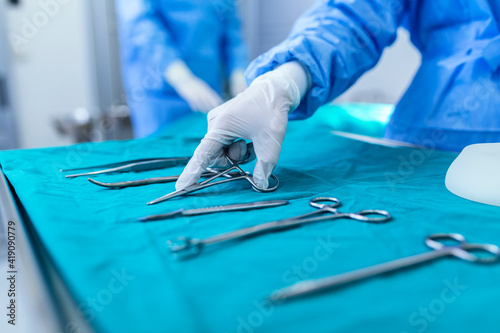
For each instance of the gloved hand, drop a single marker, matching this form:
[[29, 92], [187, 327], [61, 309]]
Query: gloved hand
[[197, 93], [259, 114], [237, 82]]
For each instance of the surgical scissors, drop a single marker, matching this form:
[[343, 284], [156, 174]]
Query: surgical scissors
[[139, 165], [191, 247], [234, 165], [462, 250]]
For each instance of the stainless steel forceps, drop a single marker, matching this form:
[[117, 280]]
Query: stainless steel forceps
[[462, 250], [139, 165], [243, 175], [155, 180], [186, 247]]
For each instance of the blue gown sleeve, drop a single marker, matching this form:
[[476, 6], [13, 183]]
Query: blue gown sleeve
[[235, 51], [338, 41], [144, 37]]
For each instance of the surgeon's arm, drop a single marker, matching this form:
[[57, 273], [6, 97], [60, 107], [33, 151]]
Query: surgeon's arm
[[143, 35], [331, 46], [338, 41], [259, 114], [146, 39], [234, 48]]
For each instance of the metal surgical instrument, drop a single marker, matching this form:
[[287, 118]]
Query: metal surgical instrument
[[156, 180], [243, 175], [462, 250], [191, 247], [216, 209], [131, 166]]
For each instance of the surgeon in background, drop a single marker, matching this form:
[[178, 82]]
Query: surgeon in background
[[453, 101], [177, 57]]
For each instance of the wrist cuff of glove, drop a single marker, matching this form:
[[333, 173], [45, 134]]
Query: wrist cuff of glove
[[299, 80]]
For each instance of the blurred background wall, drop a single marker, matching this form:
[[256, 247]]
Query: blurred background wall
[[58, 56]]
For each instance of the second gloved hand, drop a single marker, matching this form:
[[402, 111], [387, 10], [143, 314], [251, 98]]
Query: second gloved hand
[[196, 92], [259, 114]]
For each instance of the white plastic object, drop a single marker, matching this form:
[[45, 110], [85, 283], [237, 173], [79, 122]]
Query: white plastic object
[[475, 174]]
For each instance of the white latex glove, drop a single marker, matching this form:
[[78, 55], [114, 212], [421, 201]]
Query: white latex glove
[[237, 82], [259, 114], [196, 92]]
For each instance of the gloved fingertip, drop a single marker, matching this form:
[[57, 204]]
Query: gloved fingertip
[[203, 155], [180, 185], [261, 175], [185, 179], [262, 183]]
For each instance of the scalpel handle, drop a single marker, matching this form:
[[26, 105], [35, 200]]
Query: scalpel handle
[[216, 209], [236, 207]]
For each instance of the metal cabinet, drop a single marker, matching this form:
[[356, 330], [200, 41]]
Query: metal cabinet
[[8, 138], [63, 57]]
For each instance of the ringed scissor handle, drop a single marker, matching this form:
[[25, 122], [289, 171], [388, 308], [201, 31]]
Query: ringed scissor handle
[[246, 175], [463, 249], [368, 215], [226, 172]]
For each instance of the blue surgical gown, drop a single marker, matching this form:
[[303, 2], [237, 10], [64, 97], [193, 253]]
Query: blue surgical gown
[[454, 99], [205, 34]]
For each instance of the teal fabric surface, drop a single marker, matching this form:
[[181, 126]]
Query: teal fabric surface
[[121, 275], [358, 118]]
